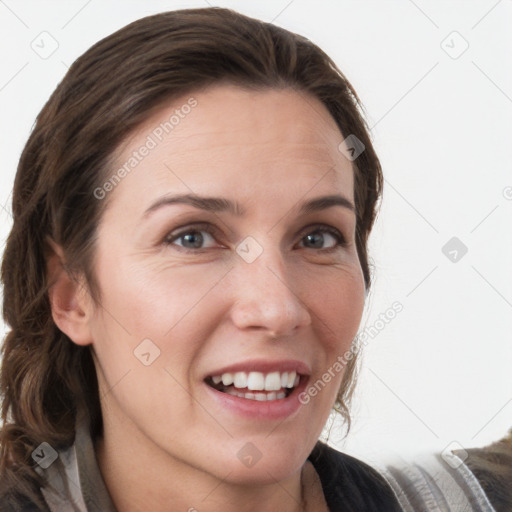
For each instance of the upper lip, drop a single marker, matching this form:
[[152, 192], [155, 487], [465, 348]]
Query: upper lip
[[264, 366]]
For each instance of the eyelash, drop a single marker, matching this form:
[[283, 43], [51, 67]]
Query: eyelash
[[318, 228]]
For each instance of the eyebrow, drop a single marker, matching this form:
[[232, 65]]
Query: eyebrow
[[220, 204]]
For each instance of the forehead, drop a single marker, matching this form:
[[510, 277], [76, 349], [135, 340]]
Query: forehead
[[228, 117], [268, 141]]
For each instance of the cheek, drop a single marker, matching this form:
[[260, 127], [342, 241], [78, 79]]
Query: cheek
[[339, 305], [145, 338], [148, 296], [169, 306]]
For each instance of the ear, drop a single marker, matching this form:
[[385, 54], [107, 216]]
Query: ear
[[70, 301]]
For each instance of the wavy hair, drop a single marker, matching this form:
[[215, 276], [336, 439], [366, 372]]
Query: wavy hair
[[45, 379]]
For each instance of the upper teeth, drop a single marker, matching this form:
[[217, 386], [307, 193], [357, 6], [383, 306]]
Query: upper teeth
[[256, 381]]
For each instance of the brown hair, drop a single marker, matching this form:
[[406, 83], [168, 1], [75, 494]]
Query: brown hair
[[45, 379]]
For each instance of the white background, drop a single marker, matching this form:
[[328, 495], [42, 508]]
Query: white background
[[442, 126]]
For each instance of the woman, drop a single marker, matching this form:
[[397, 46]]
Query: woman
[[193, 198]]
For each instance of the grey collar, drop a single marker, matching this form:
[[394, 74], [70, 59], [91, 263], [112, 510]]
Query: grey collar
[[75, 479]]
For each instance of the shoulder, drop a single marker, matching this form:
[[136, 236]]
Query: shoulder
[[350, 484], [475, 479], [492, 466]]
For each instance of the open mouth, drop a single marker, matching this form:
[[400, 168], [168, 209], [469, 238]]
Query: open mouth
[[256, 385]]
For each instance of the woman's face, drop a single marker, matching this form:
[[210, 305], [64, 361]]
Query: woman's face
[[189, 294]]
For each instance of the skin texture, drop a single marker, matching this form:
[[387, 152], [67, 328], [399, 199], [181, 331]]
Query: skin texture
[[167, 444]]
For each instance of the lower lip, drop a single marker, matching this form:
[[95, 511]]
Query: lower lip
[[267, 410]]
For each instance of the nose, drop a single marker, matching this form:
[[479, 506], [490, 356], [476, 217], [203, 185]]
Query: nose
[[265, 298]]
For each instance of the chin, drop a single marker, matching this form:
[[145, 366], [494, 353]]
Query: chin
[[264, 472], [263, 460]]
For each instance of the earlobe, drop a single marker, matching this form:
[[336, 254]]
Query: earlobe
[[69, 299]]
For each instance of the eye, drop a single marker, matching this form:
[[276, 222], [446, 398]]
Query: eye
[[191, 238], [317, 238]]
